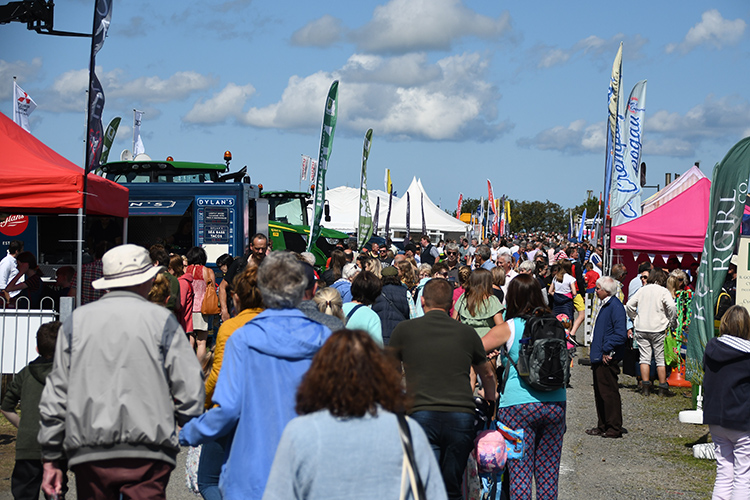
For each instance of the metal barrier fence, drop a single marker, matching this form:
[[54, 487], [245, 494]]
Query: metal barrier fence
[[18, 327], [592, 306]]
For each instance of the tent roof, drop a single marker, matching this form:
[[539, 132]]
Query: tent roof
[[344, 204], [436, 218], [673, 189], [36, 179], [678, 225], [344, 207]]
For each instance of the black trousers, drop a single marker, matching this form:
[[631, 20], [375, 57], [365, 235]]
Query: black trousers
[[607, 397], [26, 480]]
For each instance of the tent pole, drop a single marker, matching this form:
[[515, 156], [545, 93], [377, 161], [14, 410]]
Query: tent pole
[[79, 258], [125, 231]]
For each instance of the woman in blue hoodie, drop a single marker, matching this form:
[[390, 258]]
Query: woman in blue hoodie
[[726, 405]]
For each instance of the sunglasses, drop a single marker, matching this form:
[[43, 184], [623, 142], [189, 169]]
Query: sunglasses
[[451, 253]]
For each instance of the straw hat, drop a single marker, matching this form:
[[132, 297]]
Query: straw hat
[[126, 265]]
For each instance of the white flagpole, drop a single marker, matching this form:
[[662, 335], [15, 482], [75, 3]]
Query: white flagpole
[[133, 148]]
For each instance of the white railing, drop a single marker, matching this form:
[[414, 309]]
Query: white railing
[[18, 327]]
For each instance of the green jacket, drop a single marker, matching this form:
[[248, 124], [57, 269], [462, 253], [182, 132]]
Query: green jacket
[[173, 303], [27, 387]]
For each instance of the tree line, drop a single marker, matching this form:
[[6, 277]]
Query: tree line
[[535, 216]]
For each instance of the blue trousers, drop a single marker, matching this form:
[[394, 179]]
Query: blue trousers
[[209, 468], [451, 436]]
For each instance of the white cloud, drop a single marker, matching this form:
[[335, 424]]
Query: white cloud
[[666, 133], [575, 139], [226, 103], [155, 89], [68, 90], [404, 71], [403, 26], [455, 103], [24, 70], [714, 118], [322, 32], [600, 50], [712, 30]]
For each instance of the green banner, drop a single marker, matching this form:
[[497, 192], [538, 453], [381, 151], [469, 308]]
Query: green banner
[[326, 145], [728, 193], [109, 137], [364, 231]]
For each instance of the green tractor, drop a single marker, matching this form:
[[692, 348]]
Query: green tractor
[[289, 228]]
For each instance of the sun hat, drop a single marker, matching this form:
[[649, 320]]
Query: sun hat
[[126, 265]]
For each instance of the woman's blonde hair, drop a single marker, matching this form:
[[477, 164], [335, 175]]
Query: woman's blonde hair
[[373, 265], [736, 322], [159, 292], [329, 302], [408, 276], [464, 272], [677, 280]]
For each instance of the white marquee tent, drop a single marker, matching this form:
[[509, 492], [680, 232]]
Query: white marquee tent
[[344, 210]]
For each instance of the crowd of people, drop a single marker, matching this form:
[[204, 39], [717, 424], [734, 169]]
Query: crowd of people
[[303, 390]]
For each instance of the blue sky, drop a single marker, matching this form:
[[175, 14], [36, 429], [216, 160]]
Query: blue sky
[[456, 91]]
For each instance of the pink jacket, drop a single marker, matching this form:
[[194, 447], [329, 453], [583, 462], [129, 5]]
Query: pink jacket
[[187, 297]]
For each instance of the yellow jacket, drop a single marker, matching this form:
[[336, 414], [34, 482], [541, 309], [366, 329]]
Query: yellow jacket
[[225, 331]]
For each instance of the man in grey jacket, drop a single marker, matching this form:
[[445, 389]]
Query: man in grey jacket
[[124, 376]]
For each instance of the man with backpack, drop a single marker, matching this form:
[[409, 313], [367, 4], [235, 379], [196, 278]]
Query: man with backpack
[[607, 349]]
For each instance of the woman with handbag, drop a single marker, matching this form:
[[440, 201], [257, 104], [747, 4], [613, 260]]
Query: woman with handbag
[[350, 440], [204, 290]]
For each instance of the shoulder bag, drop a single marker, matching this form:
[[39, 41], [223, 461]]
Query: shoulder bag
[[409, 469]]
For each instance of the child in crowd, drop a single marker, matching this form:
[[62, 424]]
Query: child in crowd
[[571, 342], [26, 387], [726, 404], [590, 275]]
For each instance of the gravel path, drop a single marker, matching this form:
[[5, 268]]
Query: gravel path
[[652, 461]]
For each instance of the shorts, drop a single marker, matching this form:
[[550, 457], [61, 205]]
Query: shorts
[[648, 341], [200, 322], [578, 303]]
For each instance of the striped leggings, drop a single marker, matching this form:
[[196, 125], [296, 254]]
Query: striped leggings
[[543, 425]]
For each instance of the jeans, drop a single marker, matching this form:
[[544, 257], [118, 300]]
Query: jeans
[[732, 463], [209, 468], [451, 436]]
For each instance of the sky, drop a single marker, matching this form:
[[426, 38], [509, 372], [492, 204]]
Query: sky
[[456, 91]]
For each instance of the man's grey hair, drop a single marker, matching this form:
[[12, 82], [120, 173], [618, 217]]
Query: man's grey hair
[[452, 246], [484, 252], [527, 267], [608, 284], [505, 257], [281, 280]]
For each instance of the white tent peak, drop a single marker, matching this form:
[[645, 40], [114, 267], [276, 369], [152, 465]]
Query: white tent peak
[[344, 205], [673, 189]]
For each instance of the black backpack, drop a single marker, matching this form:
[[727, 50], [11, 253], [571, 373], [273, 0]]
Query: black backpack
[[543, 358]]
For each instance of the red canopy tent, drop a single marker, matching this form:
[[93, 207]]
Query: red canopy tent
[[674, 230], [35, 179]]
